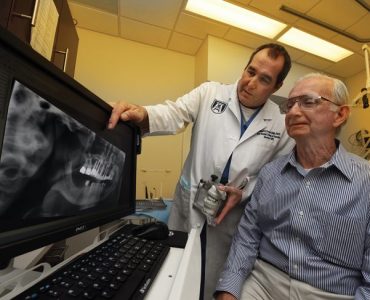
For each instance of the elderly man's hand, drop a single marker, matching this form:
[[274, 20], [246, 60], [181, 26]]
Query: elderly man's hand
[[234, 196], [128, 112]]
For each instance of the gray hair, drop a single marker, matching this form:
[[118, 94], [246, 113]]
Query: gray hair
[[339, 92]]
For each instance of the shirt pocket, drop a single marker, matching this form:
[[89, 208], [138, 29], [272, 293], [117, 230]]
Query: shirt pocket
[[342, 240]]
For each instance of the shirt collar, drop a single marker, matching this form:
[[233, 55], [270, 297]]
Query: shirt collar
[[341, 160]]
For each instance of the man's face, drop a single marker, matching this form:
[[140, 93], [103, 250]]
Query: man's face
[[318, 122], [258, 80]]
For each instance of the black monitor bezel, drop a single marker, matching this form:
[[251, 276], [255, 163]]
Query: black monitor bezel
[[25, 65]]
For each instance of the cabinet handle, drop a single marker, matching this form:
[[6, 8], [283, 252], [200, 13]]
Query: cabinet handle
[[34, 14], [66, 52]]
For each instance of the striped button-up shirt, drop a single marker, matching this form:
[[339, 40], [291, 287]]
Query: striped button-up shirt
[[314, 226]]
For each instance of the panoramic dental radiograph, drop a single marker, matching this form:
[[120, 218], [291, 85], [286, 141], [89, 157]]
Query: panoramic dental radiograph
[[51, 165]]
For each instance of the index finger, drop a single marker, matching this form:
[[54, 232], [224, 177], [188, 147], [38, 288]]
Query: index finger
[[115, 116], [226, 209]]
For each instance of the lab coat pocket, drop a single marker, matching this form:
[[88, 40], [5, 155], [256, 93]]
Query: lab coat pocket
[[342, 241], [182, 200]]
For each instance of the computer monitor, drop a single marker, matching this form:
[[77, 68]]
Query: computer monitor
[[61, 171]]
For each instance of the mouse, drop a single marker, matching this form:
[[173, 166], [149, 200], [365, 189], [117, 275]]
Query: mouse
[[151, 231]]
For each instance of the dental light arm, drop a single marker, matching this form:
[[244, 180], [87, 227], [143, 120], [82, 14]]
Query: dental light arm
[[364, 94]]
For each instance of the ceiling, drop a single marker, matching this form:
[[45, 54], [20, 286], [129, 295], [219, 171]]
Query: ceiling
[[166, 24]]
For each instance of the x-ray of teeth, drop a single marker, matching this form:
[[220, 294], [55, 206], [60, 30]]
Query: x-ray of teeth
[[51, 165]]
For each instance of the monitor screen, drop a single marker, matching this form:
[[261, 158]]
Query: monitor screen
[[61, 171]]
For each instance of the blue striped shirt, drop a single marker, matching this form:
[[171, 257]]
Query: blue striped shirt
[[314, 226]]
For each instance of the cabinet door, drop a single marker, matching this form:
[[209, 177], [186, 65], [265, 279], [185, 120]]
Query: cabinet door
[[66, 39], [20, 18], [6, 6]]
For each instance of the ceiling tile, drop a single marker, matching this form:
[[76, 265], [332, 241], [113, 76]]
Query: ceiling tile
[[199, 27], [347, 12], [294, 53], [159, 12], [244, 2], [144, 33], [348, 67], [272, 8], [94, 19], [110, 6], [315, 62], [244, 38], [347, 43], [314, 29], [361, 29], [184, 43]]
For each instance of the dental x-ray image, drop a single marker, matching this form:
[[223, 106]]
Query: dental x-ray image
[[51, 165]]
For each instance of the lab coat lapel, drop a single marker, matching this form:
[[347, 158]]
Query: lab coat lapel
[[234, 104]]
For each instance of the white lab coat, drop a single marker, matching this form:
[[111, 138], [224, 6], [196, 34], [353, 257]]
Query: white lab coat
[[215, 135]]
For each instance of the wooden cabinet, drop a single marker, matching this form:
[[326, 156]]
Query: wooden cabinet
[[17, 17], [66, 39]]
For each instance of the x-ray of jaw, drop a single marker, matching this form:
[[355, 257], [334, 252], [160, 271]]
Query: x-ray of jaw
[[51, 165]]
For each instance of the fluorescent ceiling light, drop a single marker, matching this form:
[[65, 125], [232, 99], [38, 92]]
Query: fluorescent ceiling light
[[309, 43], [236, 16]]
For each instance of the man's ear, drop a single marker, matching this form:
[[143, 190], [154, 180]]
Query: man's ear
[[342, 115]]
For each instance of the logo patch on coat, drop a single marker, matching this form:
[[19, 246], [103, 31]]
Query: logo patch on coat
[[218, 107]]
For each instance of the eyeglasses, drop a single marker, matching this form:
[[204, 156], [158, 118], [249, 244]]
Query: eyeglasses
[[305, 102]]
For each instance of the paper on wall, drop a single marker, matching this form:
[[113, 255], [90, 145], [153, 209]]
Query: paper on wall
[[43, 33]]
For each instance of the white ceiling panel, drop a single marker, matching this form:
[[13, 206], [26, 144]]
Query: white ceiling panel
[[314, 29], [347, 67], [144, 33], [341, 14], [199, 27], [347, 43], [184, 43], [315, 62], [156, 12], [93, 19], [273, 7], [110, 6], [361, 28], [245, 38]]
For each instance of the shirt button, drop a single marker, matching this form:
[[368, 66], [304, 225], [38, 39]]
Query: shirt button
[[295, 267], [308, 184], [301, 213]]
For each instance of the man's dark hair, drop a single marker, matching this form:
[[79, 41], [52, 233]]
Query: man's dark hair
[[274, 52]]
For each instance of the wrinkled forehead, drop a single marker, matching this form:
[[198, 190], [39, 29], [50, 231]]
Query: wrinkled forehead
[[316, 86]]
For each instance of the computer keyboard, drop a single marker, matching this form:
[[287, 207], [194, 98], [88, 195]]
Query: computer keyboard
[[123, 267]]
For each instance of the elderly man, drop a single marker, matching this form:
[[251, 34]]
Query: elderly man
[[305, 234]]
